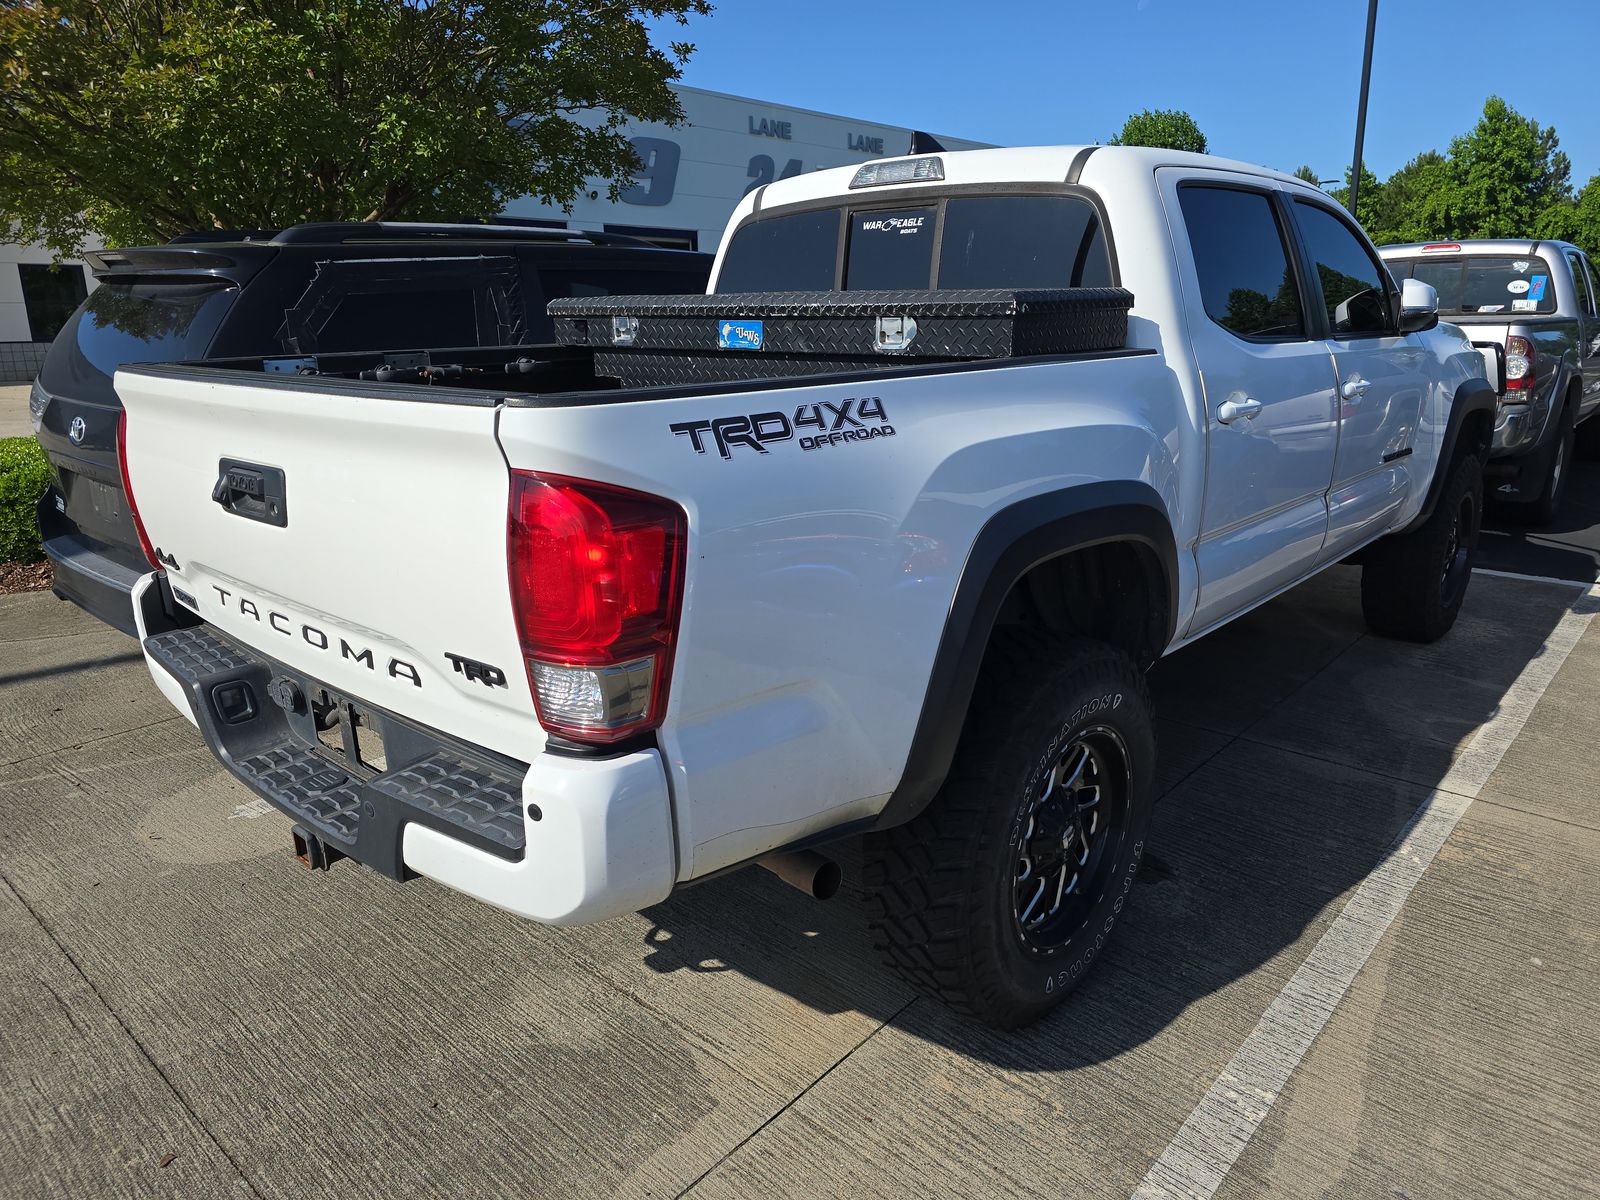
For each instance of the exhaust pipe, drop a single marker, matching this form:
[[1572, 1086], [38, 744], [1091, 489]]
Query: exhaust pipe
[[816, 876]]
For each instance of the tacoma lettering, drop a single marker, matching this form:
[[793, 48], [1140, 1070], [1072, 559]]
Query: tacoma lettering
[[396, 668]]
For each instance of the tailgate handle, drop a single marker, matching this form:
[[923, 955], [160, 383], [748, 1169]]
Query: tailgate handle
[[252, 491]]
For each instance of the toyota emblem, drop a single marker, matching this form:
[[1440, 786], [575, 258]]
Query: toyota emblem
[[77, 431]]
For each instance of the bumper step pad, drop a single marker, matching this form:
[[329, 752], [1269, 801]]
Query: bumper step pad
[[461, 791]]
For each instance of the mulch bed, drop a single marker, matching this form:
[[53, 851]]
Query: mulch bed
[[24, 577]]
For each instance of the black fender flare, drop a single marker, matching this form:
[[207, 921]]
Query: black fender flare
[[1012, 542], [1472, 396]]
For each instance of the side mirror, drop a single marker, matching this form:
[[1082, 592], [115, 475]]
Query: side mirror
[[1419, 306]]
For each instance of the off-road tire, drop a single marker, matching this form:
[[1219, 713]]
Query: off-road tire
[[1542, 510], [943, 888], [1413, 584]]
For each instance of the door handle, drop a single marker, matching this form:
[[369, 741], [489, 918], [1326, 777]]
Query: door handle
[[1231, 410], [1355, 387]]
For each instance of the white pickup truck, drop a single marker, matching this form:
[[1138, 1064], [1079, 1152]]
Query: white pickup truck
[[864, 542]]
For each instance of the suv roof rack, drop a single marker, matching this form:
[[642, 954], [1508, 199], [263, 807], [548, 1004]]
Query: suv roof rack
[[344, 232], [385, 231]]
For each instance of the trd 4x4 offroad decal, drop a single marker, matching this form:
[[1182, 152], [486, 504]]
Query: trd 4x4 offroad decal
[[849, 420]]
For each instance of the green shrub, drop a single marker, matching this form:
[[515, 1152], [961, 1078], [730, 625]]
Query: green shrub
[[24, 474]]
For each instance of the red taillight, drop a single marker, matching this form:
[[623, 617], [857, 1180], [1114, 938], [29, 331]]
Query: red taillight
[[596, 584], [1436, 247], [127, 490], [1519, 366]]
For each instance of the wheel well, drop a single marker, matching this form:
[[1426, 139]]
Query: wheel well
[[1477, 435], [1113, 592]]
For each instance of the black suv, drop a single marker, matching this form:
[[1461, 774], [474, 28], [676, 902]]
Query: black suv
[[306, 290]]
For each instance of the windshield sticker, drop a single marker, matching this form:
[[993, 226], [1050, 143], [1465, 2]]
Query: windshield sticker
[[1536, 287], [1524, 305], [1490, 307], [1518, 286], [1520, 265]]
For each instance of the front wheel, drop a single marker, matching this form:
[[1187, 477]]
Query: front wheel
[[1001, 894], [1413, 584]]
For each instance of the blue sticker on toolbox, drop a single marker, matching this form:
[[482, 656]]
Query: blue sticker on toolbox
[[1536, 287], [739, 335]]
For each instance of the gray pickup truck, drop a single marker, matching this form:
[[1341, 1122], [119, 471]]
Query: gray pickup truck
[[1533, 305]]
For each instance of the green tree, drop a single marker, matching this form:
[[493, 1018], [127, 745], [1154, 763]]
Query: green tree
[[144, 118], [1165, 128], [1306, 173], [1368, 198], [1506, 175], [1586, 224], [1414, 204]]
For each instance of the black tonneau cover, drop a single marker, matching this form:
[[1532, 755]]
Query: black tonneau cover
[[646, 341]]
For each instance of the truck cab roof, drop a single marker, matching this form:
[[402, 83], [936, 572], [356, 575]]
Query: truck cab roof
[[1492, 246], [1002, 165]]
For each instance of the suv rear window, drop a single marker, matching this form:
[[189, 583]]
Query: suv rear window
[[1480, 283], [133, 321], [1013, 241]]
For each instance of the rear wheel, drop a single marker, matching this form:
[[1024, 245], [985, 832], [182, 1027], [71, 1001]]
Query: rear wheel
[[1413, 584], [1001, 894], [1544, 509]]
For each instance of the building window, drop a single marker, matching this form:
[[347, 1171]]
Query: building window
[[672, 239], [49, 294]]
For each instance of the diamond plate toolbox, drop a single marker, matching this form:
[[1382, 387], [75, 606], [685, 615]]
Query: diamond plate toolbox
[[645, 340]]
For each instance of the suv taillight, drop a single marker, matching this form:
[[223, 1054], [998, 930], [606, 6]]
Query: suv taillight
[[596, 584], [127, 490], [1519, 367]]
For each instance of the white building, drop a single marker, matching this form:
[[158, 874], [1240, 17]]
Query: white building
[[36, 298], [693, 176]]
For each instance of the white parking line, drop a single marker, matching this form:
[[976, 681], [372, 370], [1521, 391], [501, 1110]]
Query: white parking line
[[1571, 583], [1215, 1134]]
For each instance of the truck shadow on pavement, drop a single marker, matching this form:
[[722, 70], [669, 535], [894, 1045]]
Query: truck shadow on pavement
[[1567, 548], [1294, 748]]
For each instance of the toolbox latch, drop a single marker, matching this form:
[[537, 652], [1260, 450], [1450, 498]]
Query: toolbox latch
[[624, 330], [895, 333]]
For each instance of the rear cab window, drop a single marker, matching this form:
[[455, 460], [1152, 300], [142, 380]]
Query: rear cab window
[[1017, 241], [1481, 284]]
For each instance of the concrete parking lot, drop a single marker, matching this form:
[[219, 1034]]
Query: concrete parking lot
[[1362, 960], [14, 420]]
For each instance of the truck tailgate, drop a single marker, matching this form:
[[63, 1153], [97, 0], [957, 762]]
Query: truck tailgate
[[386, 555]]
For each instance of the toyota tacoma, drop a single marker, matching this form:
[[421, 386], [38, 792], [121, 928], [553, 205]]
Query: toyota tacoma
[[879, 537]]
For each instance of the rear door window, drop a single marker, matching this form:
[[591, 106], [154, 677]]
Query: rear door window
[[407, 303], [1482, 283], [1247, 284], [1580, 280]]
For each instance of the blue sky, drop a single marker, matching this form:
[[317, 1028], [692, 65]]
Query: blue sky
[[1270, 82]]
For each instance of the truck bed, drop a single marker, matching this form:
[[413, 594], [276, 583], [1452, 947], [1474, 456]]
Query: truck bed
[[619, 348]]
